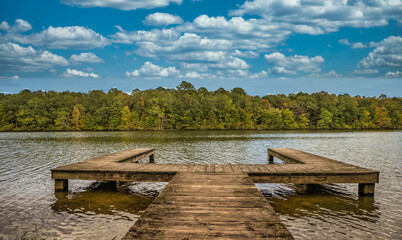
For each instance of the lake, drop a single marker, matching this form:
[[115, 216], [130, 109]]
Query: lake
[[92, 210]]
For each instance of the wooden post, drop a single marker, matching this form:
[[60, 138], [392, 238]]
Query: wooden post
[[61, 185], [152, 158], [366, 189], [119, 184], [270, 159], [309, 188]]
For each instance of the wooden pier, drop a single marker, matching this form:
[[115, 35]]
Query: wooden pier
[[214, 200]]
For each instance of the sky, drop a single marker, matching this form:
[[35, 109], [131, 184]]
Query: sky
[[262, 46]]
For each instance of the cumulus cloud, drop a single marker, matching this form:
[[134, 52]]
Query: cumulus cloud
[[396, 74], [16, 58], [355, 45], [243, 74], [387, 54], [262, 74], [80, 74], [189, 48], [162, 19], [293, 64], [121, 4], [344, 41], [87, 57], [250, 34], [73, 37], [155, 35], [318, 17], [365, 71], [4, 26], [246, 54], [20, 25], [359, 45], [197, 75], [330, 74], [149, 70]]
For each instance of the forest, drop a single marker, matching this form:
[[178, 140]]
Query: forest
[[186, 107]]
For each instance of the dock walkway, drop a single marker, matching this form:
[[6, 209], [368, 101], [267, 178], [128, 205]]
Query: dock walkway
[[214, 200], [209, 205]]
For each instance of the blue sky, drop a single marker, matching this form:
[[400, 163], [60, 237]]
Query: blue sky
[[263, 46]]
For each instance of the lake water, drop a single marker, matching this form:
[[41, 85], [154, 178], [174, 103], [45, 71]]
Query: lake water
[[91, 210]]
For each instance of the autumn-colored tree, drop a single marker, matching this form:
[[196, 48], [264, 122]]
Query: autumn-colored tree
[[185, 107]]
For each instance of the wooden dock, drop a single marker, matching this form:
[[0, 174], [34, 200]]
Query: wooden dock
[[214, 200], [209, 205]]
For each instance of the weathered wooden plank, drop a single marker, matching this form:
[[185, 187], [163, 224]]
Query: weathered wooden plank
[[194, 209], [227, 168], [210, 168], [219, 168]]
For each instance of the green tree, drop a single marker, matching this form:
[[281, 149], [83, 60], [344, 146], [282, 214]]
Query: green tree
[[126, 119], [274, 120], [288, 120], [302, 121], [325, 119], [78, 117]]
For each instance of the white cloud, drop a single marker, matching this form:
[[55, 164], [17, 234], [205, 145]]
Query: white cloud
[[162, 19], [155, 35], [282, 70], [246, 54], [16, 58], [243, 74], [4, 26], [330, 74], [87, 57], [73, 37], [318, 17], [387, 54], [149, 70], [20, 25], [76, 73], [15, 77], [293, 64], [262, 74], [365, 71], [249, 34], [396, 74], [355, 45], [359, 45], [194, 75], [231, 63], [344, 41], [121, 4]]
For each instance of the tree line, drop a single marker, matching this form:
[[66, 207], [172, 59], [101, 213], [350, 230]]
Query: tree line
[[186, 107]]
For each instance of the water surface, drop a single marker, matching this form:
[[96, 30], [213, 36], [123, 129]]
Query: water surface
[[92, 210]]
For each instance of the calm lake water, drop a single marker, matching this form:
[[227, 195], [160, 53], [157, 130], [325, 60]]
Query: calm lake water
[[91, 210]]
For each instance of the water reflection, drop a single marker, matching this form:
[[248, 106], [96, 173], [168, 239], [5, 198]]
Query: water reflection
[[28, 203], [101, 202], [327, 207]]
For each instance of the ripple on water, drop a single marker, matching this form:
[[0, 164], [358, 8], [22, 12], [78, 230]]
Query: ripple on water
[[91, 210]]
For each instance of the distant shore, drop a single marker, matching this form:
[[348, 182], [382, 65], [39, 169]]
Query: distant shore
[[188, 108]]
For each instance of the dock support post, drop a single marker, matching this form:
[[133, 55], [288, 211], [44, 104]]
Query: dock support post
[[270, 159], [310, 188], [119, 184], [366, 189], [61, 185], [152, 158]]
